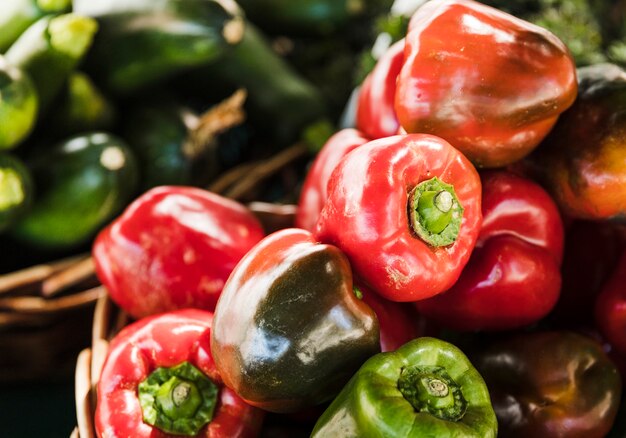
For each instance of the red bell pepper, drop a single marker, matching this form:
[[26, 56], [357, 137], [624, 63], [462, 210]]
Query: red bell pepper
[[173, 247], [489, 83], [159, 380], [398, 325], [314, 192], [406, 211], [513, 277], [611, 308], [376, 115]]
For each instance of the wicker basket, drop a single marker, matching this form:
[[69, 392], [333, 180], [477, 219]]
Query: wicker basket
[[46, 310], [108, 320]]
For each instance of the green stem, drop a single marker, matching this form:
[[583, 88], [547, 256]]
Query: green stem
[[435, 212], [178, 400], [430, 389]]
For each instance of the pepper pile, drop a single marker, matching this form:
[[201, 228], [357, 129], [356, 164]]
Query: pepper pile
[[458, 266]]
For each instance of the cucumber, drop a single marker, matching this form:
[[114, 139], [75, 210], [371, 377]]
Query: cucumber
[[49, 51], [18, 105], [81, 183], [16, 189], [138, 48], [17, 15]]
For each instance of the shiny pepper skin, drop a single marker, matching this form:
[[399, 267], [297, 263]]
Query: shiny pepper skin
[[611, 308], [314, 191], [367, 215], [376, 115], [489, 83], [165, 341], [173, 247], [513, 277]]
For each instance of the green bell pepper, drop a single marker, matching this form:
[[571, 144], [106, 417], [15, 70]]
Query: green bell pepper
[[426, 388], [49, 51], [17, 15], [18, 105]]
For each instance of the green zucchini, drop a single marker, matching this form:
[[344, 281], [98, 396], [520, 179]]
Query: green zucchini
[[81, 107], [139, 48], [17, 15], [81, 184], [16, 189], [18, 105], [49, 51]]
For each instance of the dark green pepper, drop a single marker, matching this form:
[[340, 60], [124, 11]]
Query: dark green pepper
[[288, 330], [81, 184], [16, 189], [81, 107], [50, 49], [555, 384], [144, 44], [17, 15], [18, 105], [425, 388]]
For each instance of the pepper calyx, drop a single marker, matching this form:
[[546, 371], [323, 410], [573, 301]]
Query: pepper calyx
[[178, 400], [435, 213], [431, 390]]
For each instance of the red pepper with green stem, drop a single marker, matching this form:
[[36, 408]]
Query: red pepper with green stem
[[159, 380], [314, 191], [513, 277], [489, 83], [406, 211], [376, 115]]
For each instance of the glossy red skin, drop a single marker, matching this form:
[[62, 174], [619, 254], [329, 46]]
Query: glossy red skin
[[398, 325], [366, 215], [489, 83], [314, 191], [376, 115], [610, 308], [173, 247], [164, 341], [513, 277]]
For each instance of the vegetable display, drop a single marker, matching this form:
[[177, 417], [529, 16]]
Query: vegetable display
[[323, 218]]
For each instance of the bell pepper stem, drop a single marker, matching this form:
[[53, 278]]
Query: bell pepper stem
[[178, 400], [430, 389], [435, 213]]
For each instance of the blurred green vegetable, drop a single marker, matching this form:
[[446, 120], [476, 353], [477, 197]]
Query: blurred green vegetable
[[18, 105], [17, 15], [81, 107], [49, 51], [281, 103], [81, 184], [149, 43], [309, 17], [16, 189]]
